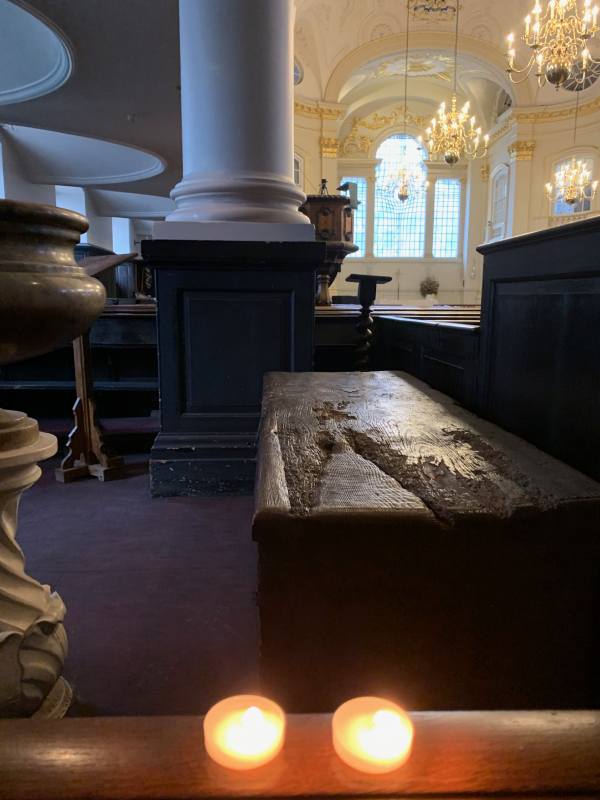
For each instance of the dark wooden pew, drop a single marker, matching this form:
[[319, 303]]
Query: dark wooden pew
[[540, 359], [406, 544], [444, 354], [534, 755]]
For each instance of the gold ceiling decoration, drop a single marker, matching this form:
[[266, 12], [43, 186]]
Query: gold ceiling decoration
[[558, 40], [437, 10], [359, 143]]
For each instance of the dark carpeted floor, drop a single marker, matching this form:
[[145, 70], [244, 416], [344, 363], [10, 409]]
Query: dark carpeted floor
[[160, 593]]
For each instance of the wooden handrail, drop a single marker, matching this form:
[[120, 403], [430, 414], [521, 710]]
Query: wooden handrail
[[459, 754]]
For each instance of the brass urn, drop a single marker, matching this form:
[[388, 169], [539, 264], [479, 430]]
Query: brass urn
[[46, 300]]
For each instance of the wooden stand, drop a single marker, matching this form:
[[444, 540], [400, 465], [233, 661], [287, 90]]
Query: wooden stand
[[87, 453], [367, 291]]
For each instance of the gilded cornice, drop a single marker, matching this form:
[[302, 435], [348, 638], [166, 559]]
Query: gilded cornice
[[508, 123], [307, 109], [556, 114], [521, 151]]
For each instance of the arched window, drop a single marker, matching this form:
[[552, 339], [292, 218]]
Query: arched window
[[560, 207], [399, 226]]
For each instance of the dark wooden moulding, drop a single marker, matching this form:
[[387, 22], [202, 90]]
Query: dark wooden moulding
[[455, 755], [407, 546]]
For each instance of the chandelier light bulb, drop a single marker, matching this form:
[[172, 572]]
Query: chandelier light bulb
[[557, 39]]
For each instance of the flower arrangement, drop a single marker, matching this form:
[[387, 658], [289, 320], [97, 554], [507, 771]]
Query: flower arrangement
[[429, 286]]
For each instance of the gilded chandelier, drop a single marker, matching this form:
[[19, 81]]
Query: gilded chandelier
[[558, 39], [454, 133], [572, 184]]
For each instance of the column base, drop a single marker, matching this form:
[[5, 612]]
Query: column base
[[228, 312], [204, 466], [234, 231]]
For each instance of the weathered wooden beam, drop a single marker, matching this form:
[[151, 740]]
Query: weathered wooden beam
[[509, 754]]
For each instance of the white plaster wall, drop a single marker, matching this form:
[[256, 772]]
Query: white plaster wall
[[16, 185], [528, 208]]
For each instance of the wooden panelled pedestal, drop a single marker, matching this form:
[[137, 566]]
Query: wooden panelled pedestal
[[227, 313], [540, 359]]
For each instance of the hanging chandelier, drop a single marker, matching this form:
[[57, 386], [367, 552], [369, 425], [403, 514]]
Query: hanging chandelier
[[572, 183], [410, 179], [558, 39], [453, 133]]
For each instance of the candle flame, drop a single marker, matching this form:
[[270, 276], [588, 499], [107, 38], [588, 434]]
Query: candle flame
[[386, 737], [251, 734]]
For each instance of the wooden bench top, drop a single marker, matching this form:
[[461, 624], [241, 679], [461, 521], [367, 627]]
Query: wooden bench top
[[382, 443]]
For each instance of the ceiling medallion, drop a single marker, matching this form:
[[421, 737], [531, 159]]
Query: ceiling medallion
[[558, 39], [453, 133], [439, 10]]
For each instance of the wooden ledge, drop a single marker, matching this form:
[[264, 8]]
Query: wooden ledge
[[509, 754]]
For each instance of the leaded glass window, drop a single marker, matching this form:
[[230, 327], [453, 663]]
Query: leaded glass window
[[446, 218], [399, 225], [360, 215]]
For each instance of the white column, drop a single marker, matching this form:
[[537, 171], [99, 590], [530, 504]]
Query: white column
[[237, 104]]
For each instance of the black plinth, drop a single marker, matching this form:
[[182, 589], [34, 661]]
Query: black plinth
[[228, 312]]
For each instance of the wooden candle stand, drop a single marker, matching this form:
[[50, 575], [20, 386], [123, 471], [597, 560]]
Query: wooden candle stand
[[87, 452], [528, 754]]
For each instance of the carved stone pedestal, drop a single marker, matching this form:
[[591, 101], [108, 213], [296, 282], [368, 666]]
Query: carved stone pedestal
[[33, 643]]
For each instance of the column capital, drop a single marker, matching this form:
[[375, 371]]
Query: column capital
[[521, 150]]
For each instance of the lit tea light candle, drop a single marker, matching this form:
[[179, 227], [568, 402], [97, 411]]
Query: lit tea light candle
[[244, 731], [372, 734]]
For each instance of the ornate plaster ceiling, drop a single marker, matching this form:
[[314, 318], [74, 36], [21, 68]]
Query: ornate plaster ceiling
[[338, 42]]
